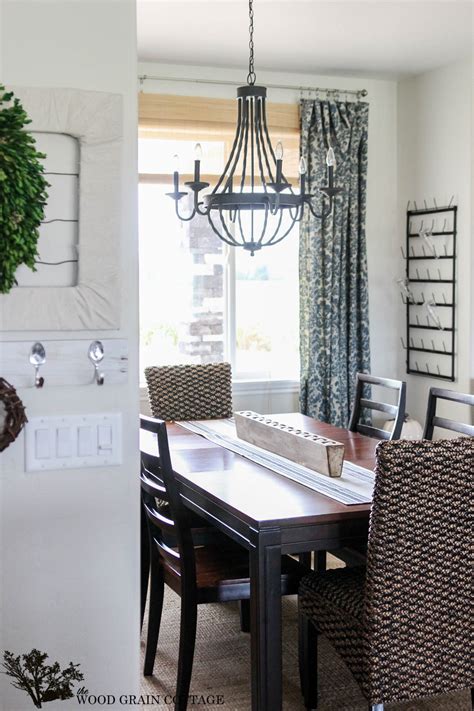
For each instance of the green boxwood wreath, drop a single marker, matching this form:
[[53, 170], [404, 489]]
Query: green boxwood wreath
[[23, 192]]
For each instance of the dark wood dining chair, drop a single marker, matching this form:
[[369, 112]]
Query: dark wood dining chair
[[402, 623], [433, 420], [211, 573], [360, 403], [187, 392]]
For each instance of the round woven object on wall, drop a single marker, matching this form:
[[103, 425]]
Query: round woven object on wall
[[12, 414]]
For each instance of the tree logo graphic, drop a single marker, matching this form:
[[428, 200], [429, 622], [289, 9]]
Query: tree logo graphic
[[42, 682]]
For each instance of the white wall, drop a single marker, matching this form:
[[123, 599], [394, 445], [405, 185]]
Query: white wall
[[70, 539], [382, 237], [435, 160]]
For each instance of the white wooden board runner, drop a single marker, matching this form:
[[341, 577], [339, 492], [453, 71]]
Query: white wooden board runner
[[354, 486]]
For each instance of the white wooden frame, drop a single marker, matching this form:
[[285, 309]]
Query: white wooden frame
[[95, 119]]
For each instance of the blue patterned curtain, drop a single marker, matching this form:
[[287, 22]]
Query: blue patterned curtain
[[334, 305]]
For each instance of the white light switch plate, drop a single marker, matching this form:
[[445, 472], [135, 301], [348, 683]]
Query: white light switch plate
[[73, 441]]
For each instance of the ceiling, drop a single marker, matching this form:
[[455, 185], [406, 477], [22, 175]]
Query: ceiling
[[373, 38]]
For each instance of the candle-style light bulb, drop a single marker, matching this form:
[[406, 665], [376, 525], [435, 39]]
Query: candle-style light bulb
[[197, 162], [331, 163], [176, 172], [331, 158], [279, 162], [302, 166]]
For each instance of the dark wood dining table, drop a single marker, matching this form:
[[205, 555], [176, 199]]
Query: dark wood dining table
[[269, 515]]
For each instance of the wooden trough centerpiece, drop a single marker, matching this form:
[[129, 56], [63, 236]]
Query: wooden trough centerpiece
[[322, 455]]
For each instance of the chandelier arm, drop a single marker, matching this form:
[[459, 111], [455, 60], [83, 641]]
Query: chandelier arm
[[252, 148], [275, 241], [262, 137], [265, 221], [181, 217], [216, 231], [238, 135], [277, 229], [246, 129], [259, 147], [226, 229], [204, 212], [324, 213], [265, 126], [239, 221], [301, 212]]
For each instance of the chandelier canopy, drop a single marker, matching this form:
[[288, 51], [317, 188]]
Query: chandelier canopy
[[252, 204]]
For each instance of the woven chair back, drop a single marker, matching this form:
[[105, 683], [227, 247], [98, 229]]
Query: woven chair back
[[190, 392], [418, 597]]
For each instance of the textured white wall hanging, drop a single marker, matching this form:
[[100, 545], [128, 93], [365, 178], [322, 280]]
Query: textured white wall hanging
[[95, 120]]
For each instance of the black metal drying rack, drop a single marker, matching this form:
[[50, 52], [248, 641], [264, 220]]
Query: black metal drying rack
[[416, 254]]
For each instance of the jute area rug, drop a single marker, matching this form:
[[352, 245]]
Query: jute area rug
[[222, 666]]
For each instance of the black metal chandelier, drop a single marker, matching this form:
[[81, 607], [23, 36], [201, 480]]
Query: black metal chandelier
[[252, 204]]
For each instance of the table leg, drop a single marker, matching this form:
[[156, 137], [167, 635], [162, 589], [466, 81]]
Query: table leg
[[265, 621]]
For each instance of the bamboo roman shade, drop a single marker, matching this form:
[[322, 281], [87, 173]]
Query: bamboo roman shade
[[200, 118]]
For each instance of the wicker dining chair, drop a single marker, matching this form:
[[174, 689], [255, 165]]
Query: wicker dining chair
[[402, 623], [187, 392], [360, 403], [433, 420], [190, 392], [198, 574]]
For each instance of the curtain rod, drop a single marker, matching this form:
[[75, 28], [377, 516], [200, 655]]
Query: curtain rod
[[357, 92]]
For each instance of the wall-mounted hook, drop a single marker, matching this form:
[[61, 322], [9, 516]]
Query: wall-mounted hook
[[439, 274], [417, 273], [403, 252], [412, 251], [417, 366], [444, 347], [412, 342], [435, 203], [408, 205], [433, 345], [427, 368], [428, 273], [96, 356], [403, 343], [37, 359], [424, 203], [422, 298], [451, 201], [422, 343], [416, 206], [421, 227], [417, 319], [439, 371], [423, 250]]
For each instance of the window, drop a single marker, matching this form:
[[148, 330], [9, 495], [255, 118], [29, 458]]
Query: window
[[201, 301]]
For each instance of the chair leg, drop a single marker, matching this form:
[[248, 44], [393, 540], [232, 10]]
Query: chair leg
[[305, 559], [157, 589], [308, 661], [187, 640], [320, 563], [244, 606], [144, 562]]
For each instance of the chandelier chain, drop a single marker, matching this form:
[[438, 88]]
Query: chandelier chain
[[251, 76]]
